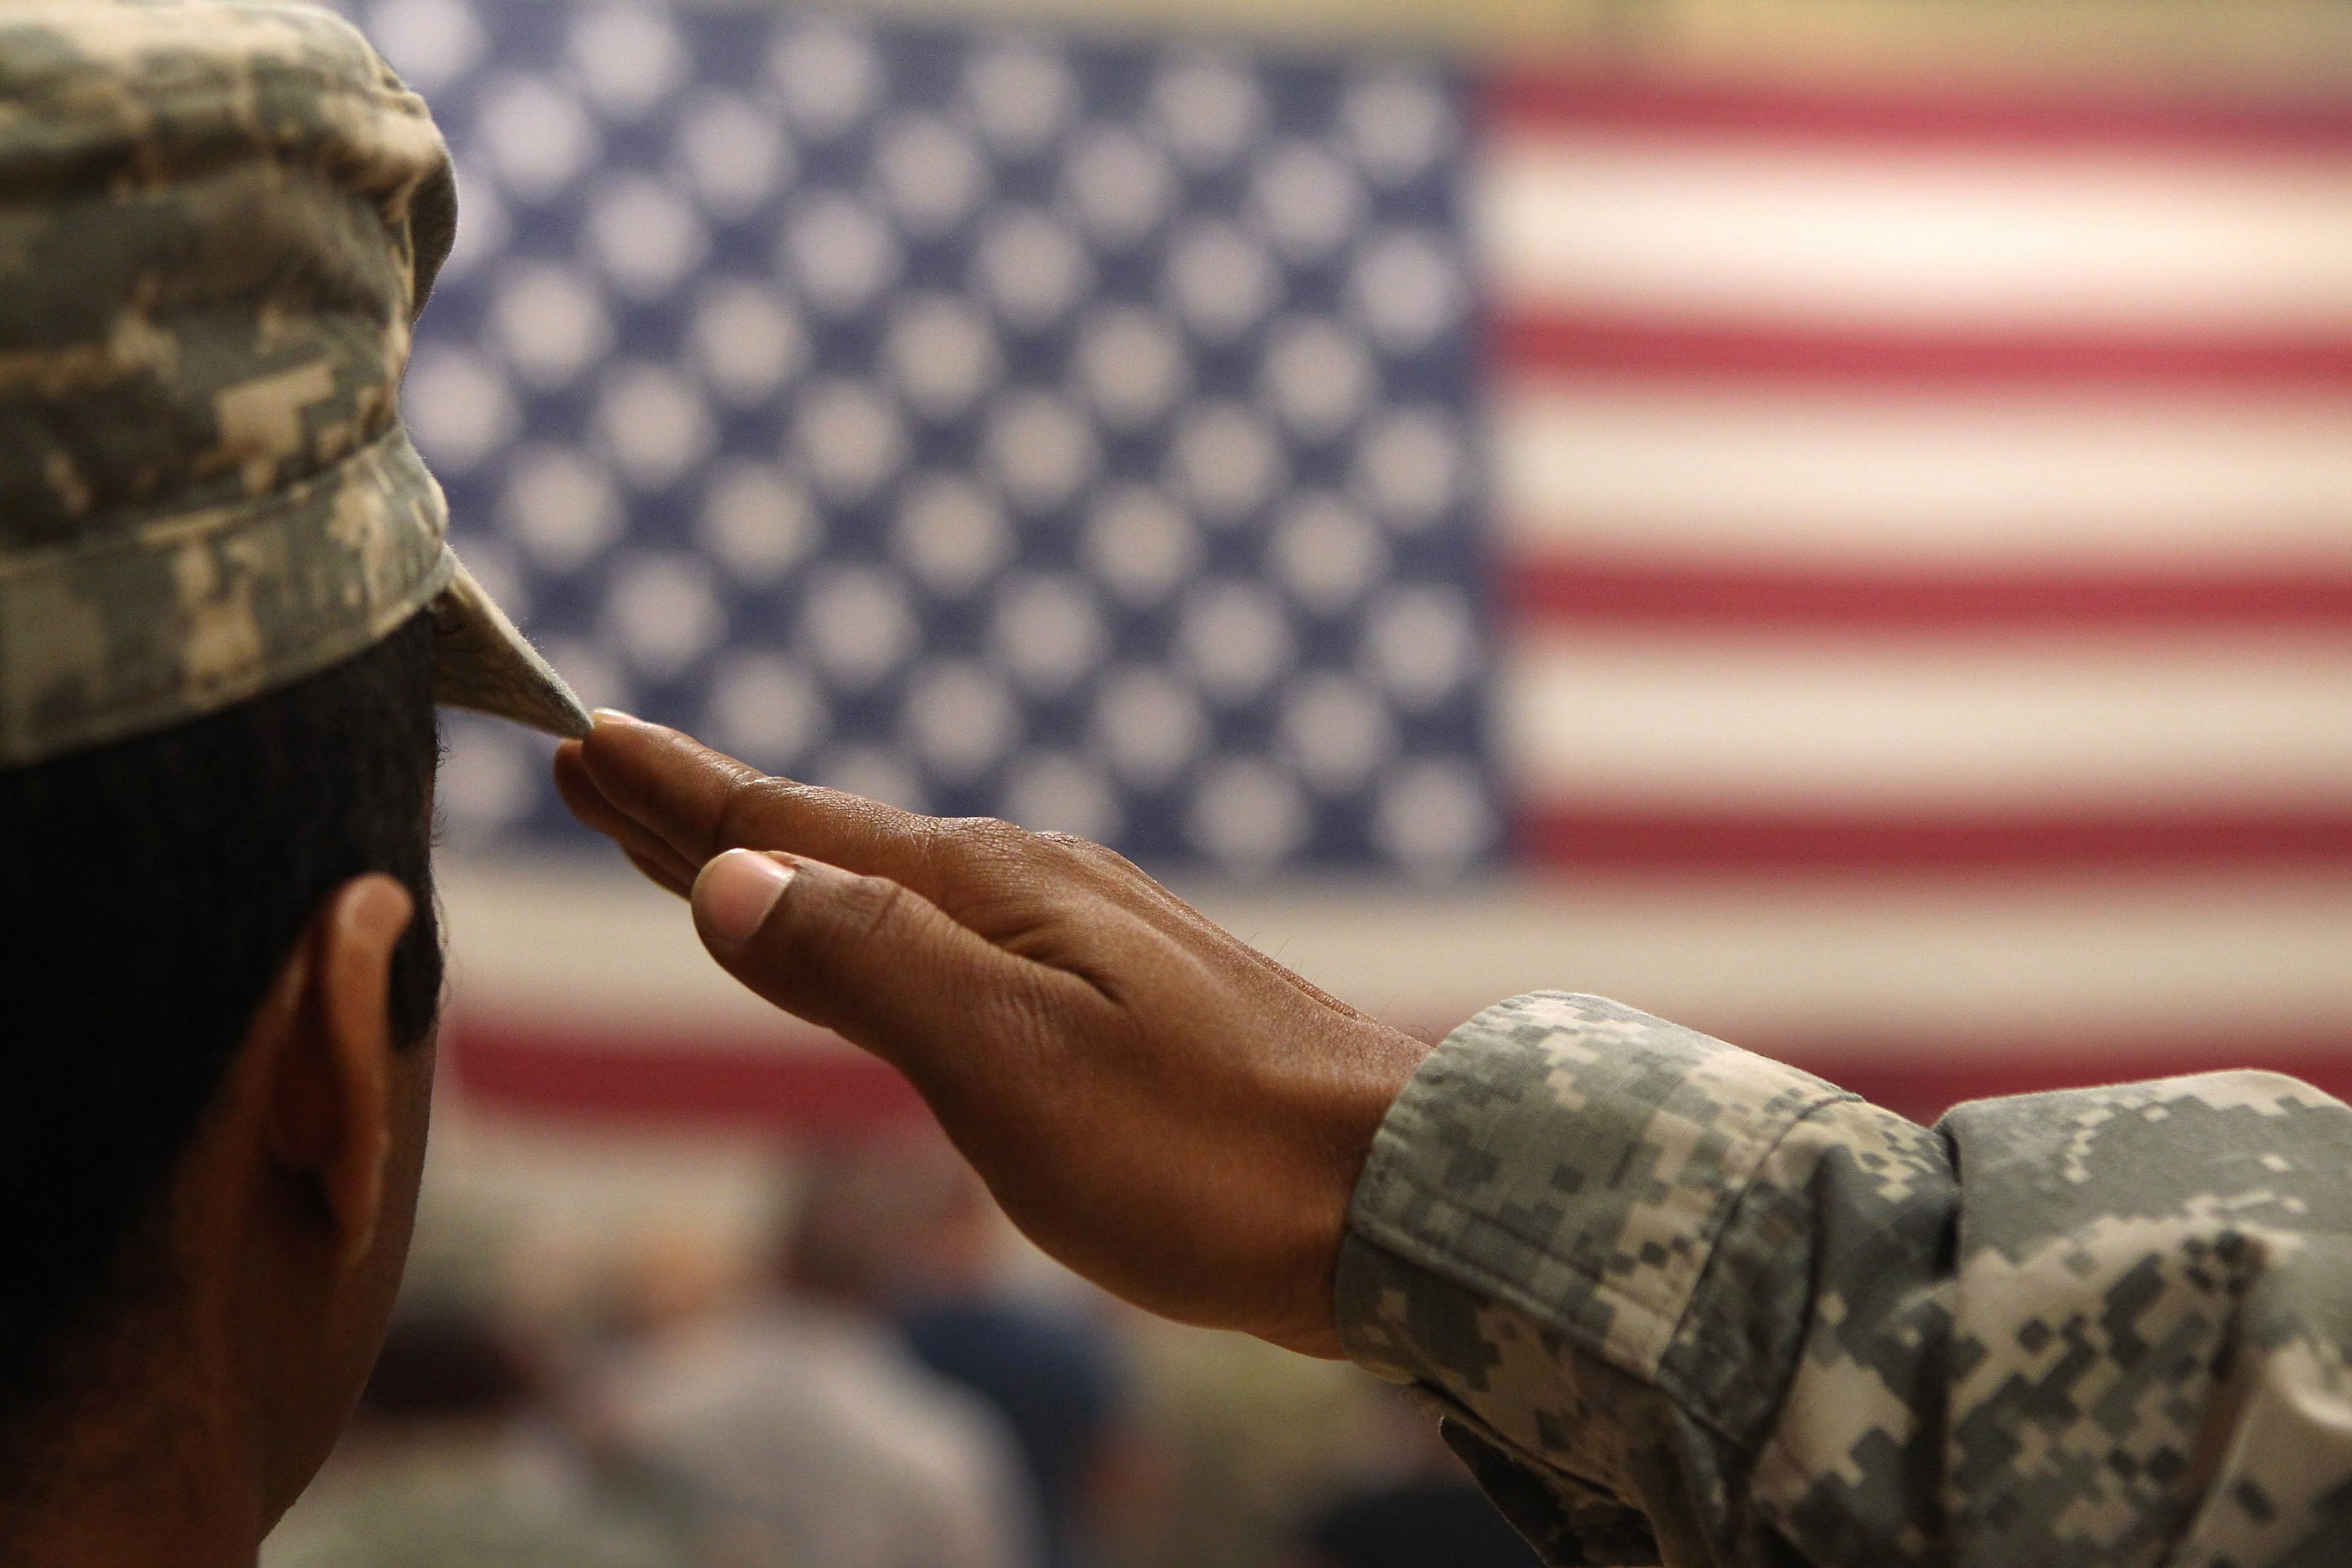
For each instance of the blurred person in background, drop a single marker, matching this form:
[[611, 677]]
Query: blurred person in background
[[797, 1429], [1050, 1374], [226, 612], [1678, 1303], [1049, 1369], [454, 1459]]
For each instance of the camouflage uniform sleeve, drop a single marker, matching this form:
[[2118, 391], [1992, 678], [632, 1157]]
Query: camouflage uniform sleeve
[[1682, 1305]]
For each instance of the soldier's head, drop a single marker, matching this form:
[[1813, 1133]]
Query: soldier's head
[[227, 611]]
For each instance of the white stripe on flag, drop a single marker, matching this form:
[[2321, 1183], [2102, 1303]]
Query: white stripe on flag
[[1787, 961], [593, 955], [1916, 721], [1702, 227], [579, 946], [1875, 478]]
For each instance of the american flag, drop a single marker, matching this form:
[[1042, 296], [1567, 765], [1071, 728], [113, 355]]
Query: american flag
[[1868, 574]]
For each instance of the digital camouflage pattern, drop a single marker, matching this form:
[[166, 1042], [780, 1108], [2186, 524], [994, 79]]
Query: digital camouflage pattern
[[1682, 1304], [217, 223]]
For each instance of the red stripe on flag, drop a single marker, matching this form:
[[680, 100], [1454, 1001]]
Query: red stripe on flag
[[647, 1079], [1559, 589], [1562, 344], [1534, 103], [795, 1081], [1569, 837]]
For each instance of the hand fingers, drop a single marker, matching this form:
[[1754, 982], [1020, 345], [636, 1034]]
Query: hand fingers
[[873, 960], [698, 802], [651, 854], [701, 802], [660, 872]]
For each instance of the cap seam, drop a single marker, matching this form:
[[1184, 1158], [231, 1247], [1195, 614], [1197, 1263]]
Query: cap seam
[[165, 527]]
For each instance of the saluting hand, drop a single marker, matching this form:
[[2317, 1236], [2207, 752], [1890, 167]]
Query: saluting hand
[[1166, 1110]]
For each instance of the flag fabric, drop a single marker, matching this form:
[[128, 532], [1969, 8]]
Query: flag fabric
[[1870, 575], [1926, 484], [1080, 435]]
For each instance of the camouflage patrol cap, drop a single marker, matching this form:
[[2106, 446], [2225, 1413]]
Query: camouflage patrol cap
[[217, 223]]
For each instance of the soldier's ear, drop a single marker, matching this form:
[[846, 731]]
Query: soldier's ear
[[324, 1040]]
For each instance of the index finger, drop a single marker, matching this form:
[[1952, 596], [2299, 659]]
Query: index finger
[[700, 803]]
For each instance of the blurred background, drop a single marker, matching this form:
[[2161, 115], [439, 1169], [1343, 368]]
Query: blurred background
[[1827, 520]]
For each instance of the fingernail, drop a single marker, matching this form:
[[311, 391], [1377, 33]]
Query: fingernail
[[615, 716], [735, 892]]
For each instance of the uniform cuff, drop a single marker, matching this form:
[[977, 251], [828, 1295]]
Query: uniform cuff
[[1573, 1158]]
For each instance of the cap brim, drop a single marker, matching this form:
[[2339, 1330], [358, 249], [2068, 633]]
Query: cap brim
[[480, 661]]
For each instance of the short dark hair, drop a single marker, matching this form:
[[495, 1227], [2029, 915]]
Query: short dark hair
[[150, 890]]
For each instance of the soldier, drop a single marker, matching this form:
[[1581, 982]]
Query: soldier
[[226, 611], [1677, 1303]]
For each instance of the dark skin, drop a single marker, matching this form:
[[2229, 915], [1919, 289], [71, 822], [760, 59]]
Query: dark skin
[[1156, 1104], [287, 1226]]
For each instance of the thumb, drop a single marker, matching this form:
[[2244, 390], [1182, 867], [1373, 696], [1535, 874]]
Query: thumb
[[865, 956]]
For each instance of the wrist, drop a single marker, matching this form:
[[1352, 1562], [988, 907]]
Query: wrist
[[1375, 1067]]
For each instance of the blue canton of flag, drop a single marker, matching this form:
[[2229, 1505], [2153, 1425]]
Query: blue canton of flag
[[1075, 432]]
